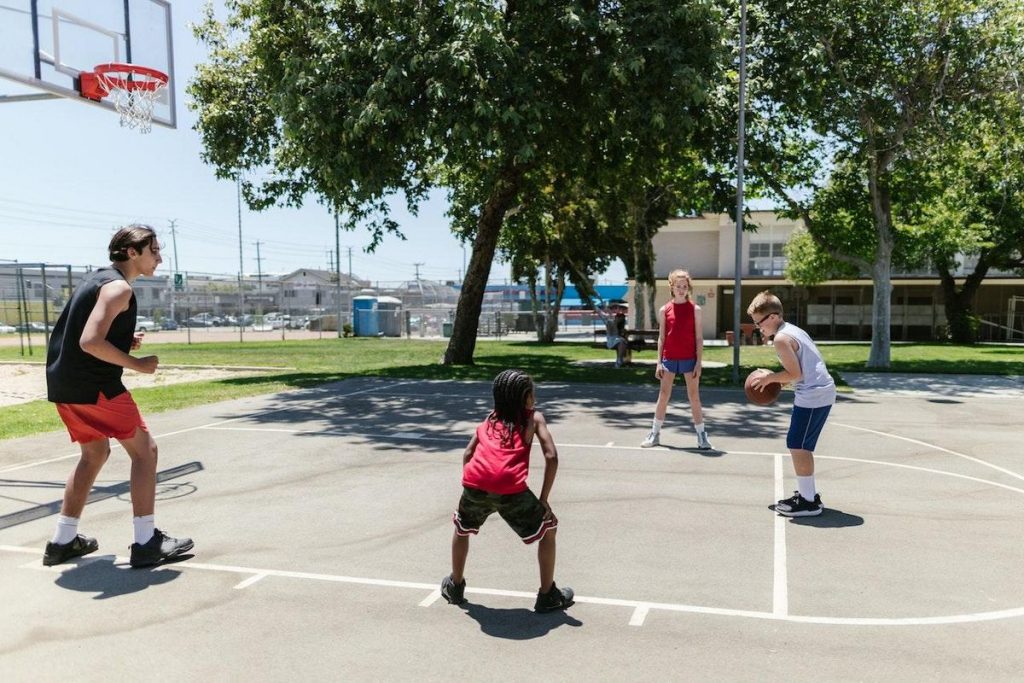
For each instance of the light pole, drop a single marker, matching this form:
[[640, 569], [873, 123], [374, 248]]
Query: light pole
[[741, 138], [241, 263], [337, 270]]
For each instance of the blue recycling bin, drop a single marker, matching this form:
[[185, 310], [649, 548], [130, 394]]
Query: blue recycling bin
[[364, 316]]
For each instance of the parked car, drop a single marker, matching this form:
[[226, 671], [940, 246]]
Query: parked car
[[168, 324], [144, 324], [201, 320], [30, 327], [7, 329]]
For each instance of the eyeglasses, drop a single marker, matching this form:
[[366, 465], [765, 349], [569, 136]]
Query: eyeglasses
[[757, 323]]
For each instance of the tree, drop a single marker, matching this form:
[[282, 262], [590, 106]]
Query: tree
[[975, 208], [859, 88], [357, 101]]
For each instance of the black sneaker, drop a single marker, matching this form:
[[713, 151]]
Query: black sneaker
[[157, 549], [555, 599], [454, 593], [78, 546], [798, 506]]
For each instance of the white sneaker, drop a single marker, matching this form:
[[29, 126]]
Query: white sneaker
[[702, 441], [651, 440]]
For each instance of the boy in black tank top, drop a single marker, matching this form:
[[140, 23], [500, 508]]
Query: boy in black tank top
[[87, 354]]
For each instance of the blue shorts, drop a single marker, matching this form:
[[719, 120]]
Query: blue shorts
[[805, 427], [679, 367]]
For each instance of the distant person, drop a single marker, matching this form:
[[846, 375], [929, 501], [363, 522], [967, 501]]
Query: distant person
[[815, 394], [87, 354], [495, 466], [680, 347], [615, 334]]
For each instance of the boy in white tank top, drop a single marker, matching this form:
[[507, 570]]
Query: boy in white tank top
[[803, 366]]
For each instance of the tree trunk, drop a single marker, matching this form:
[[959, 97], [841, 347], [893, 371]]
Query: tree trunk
[[959, 303], [467, 312], [881, 270], [551, 319]]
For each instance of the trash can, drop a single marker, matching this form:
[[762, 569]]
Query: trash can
[[364, 316], [389, 316], [446, 328]]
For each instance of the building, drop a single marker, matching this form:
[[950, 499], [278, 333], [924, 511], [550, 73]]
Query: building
[[838, 309]]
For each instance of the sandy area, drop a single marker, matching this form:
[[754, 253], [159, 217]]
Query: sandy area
[[21, 382]]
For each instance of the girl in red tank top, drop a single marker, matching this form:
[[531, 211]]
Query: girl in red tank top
[[680, 345]]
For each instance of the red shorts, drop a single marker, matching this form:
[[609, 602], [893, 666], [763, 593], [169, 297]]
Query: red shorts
[[116, 418]]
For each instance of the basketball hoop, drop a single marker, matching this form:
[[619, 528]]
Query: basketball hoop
[[132, 88]]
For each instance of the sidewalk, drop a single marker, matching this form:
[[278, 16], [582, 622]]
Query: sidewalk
[[904, 384]]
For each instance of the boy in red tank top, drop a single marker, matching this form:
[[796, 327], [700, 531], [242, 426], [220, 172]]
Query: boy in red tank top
[[680, 346], [495, 466]]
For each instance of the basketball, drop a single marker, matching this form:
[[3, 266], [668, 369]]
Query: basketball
[[764, 396]]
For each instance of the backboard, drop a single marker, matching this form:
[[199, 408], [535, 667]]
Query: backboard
[[46, 44]]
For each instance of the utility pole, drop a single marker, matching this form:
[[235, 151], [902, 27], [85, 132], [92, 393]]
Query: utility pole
[[337, 272], [174, 269], [741, 136], [241, 263], [259, 279], [350, 284]]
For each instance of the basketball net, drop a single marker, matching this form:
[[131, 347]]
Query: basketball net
[[132, 89]]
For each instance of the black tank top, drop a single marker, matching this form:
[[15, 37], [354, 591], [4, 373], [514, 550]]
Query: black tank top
[[72, 375]]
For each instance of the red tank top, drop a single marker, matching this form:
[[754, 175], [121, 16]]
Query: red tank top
[[499, 465], [680, 337]]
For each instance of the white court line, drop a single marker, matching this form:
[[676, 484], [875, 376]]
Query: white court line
[[431, 599], [639, 615], [589, 446], [780, 581], [250, 581], [115, 444], [635, 605], [938, 448]]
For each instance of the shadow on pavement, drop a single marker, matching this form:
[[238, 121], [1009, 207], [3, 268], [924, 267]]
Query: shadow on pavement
[[517, 623], [107, 580], [830, 518]]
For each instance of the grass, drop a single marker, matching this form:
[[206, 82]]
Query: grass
[[314, 362]]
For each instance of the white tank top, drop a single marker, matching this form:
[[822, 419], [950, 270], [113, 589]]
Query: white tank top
[[816, 388]]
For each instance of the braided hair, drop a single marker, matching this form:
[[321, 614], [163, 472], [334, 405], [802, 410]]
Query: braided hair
[[136, 236], [511, 388]]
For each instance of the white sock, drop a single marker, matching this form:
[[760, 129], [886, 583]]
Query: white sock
[[656, 426], [67, 529], [805, 485], [144, 526], [699, 428]]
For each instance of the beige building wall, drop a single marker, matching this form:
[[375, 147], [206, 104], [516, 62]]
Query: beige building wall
[[704, 246]]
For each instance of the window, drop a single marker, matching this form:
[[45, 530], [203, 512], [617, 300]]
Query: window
[[766, 258]]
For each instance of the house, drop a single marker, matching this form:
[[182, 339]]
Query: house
[[836, 309]]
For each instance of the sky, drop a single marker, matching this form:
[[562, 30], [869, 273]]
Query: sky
[[70, 175]]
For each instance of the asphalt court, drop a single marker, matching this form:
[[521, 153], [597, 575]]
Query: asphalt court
[[322, 528]]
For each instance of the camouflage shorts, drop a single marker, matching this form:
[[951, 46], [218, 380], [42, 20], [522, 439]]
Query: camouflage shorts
[[522, 511]]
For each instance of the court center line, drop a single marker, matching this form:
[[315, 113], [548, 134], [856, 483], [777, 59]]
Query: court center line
[[780, 581], [612, 602]]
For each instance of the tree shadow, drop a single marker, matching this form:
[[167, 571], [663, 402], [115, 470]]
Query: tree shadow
[[517, 623], [108, 580]]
